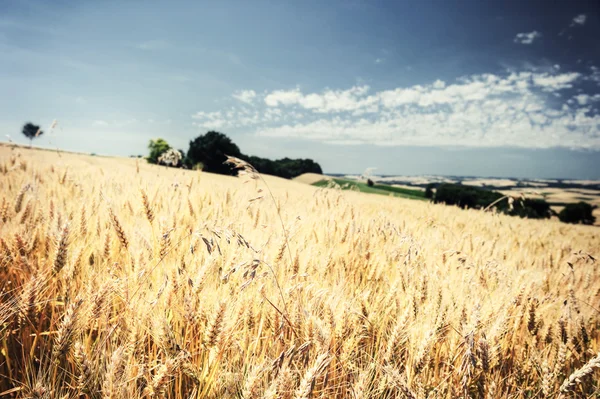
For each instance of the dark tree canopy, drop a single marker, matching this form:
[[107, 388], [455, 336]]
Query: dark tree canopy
[[31, 131], [473, 197], [531, 208], [580, 212], [429, 191], [211, 149], [285, 167], [465, 196]]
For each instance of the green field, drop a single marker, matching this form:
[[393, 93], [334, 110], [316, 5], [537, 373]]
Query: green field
[[381, 189]]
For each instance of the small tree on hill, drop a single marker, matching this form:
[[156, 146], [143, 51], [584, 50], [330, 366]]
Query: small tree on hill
[[157, 147], [370, 183], [580, 212], [31, 131], [211, 149]]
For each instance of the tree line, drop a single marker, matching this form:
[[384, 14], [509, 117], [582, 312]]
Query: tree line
[[209, 152], [478, 198]]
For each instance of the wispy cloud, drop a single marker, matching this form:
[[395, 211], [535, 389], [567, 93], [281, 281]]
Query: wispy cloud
[[585, 99], [379, 60], [209, 120], [328, 101], [550, 82], [522, 109], [246, 96], [527, 38], [152, 45], [579, 20]]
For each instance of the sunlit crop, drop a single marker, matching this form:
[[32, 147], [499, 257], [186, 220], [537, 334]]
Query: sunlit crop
[[121, 279]]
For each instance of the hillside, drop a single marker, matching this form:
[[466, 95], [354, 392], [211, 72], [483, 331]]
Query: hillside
[[382, 189], [310, 178], [140, 280]]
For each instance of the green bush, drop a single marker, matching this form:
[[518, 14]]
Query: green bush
[[466, 196], [531, 209], [474, 197], [157, 147], [580, 212]]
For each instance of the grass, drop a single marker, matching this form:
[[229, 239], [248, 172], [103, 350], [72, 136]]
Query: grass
[[382, 189], [120, 279]]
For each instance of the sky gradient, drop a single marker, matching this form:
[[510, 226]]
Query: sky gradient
[[459, 87]]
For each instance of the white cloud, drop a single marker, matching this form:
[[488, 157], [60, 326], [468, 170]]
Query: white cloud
[[439, 84], [210, 120], [328, 101], [585, 99], [579, 20], [246, 96], [556, 82], [519, 108], [582, 99], [100, 123], [527, 38], [379, 60], [283, 97], [214, 124], [207, 115]]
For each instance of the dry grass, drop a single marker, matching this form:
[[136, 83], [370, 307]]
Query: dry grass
[[310, 178], [124, 281]]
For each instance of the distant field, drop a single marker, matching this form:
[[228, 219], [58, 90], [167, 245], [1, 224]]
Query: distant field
[[382, 189], [559, 197]]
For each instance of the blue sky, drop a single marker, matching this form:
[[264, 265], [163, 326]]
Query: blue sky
[[461, 87]]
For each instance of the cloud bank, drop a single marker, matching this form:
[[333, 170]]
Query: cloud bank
[[519, 109]]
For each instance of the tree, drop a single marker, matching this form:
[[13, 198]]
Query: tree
[[531, 208], [157, 147], [580, 212], [171, 157], [31, 131], [211, 149], [429, 191], [465, 196], [370, 183]]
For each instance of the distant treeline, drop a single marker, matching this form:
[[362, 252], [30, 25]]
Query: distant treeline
[[209, 152], [477, 198], [285, 167]]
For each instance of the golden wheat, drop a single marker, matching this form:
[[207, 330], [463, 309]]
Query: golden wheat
[[123, 279]]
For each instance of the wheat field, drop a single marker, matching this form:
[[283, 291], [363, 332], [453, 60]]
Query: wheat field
[[121, 279]]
